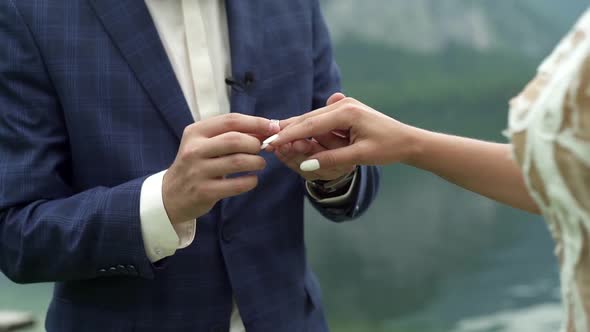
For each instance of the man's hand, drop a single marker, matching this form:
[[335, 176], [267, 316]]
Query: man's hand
[[209, 151], [293, 154]]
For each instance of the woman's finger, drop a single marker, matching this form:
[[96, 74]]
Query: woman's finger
[[332, 141], [348, 156], [334, 99], [312, 126]]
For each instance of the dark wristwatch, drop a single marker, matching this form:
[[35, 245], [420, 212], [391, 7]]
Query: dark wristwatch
[[333, 188]]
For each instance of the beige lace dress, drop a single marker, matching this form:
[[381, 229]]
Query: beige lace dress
[[550, 130]]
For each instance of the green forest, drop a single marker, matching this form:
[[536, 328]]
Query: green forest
[[458, 90]]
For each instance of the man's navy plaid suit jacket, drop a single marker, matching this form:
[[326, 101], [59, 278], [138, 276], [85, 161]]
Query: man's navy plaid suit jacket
[[90, 106]]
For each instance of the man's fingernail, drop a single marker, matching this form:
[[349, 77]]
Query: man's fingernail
[[310, 165], [274, 126]]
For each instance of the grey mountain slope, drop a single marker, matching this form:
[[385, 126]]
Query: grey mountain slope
[[428, 26]]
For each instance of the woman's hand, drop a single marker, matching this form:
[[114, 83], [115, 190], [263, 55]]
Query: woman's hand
[[296, 152], [373, 138], [376, 139]]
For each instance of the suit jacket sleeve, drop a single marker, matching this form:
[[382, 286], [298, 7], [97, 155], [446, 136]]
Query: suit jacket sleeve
[[49, 231], [327, 82]]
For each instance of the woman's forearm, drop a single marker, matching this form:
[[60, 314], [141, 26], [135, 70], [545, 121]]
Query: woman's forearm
[[482, 167], [376, 139]]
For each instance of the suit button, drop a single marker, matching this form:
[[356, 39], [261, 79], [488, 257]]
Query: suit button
[[102, 271], [122, 269], [112, 270], [132, 270], [218, 329]]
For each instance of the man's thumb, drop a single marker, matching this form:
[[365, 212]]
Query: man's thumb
[[335, 98]]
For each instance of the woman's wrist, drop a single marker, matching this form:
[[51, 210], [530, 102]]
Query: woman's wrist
[[416, 146]]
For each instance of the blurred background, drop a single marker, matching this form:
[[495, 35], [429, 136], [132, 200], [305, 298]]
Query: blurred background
[[430, 257]]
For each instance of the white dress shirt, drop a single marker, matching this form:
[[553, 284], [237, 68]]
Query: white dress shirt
[[196, 39]]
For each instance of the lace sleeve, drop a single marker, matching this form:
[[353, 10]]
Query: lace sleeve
[[549, 125]]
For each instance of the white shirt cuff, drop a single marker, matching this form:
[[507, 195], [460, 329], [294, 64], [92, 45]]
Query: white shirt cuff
[[333, 201], [161, 239]]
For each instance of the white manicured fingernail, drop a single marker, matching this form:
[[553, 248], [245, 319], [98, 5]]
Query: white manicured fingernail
[[310, 165], [269, 140]]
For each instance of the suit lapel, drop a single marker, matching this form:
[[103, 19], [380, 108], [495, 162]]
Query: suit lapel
[[245, 42], [130, 26]]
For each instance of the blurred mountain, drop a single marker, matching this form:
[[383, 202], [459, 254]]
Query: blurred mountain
[[462, 57], [528, 27]]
